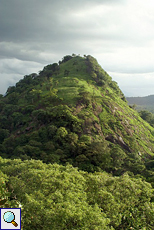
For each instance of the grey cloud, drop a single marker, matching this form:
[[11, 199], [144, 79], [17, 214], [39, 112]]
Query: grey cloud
[[15, 66], [135, 84], [39, 32], [12, 70], [22, 21]]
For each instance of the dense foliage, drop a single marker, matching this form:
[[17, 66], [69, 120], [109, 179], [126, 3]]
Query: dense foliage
[[147, 116], [62, 197]]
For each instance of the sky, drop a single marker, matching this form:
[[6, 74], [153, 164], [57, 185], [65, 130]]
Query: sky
[[118, 33]]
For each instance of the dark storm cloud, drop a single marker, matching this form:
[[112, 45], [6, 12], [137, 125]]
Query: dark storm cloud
[[22, 21], [37, 30]]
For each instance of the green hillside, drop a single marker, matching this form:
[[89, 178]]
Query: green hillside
[[73, 154], [73, 112]]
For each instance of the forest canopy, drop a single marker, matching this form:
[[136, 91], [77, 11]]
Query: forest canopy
[[62, 197]]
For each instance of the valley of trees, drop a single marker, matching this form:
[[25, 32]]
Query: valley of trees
[[73, 154], [142, 103]]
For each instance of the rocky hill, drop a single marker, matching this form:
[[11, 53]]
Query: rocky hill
[[72, 112]]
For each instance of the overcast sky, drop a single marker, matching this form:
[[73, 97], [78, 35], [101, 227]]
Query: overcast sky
[[118, 33]]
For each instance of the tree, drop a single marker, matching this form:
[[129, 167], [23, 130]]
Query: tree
[[61, 135], [62, 197], [4, 133], [53, 197], [85, 97], [18, 118], [7, 200], [147, 116], [66, 58], [36, 94], [99, 156], [118, 156]]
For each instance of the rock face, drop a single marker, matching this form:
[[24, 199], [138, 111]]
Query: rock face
[[118, 140]]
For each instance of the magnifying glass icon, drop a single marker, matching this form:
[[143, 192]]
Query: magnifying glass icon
[[9, 217]]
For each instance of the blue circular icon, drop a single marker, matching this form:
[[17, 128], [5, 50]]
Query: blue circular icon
[[9, 216]]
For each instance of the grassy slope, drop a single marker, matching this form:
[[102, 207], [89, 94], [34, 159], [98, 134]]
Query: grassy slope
[[125, 121], [104, 118]]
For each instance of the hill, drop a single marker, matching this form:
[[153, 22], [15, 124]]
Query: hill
[[142, 103], [73, 154], [73, 112]]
